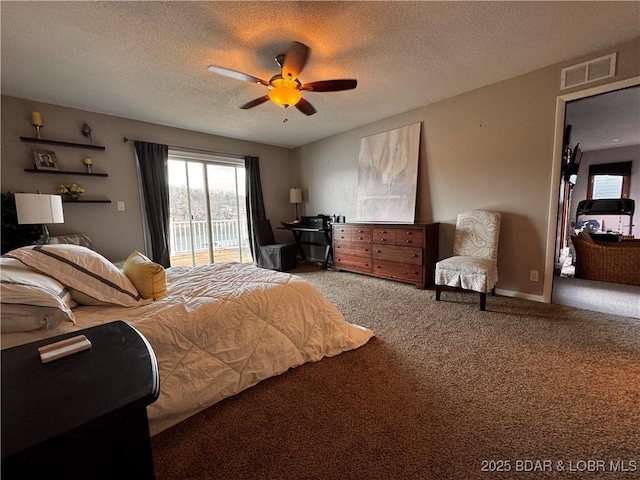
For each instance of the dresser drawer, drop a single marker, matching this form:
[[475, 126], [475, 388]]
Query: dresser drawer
[[391, 253], [352, 262], [358, 249], [399, 271], [342, 233], [384, 236], [360, 234], [409, 236]]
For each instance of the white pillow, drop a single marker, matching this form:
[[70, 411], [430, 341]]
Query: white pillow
[[25, 318], [93, 279], [25, 292]]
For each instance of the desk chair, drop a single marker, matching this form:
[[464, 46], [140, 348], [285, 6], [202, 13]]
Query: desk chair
[[272, 255]]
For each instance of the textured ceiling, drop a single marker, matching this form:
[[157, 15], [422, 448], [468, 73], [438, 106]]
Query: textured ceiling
[[605, 121], [148, 60]]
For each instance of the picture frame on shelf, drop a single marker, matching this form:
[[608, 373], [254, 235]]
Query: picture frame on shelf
[[45, 159]]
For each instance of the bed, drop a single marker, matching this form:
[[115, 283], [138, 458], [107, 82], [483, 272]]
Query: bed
[[216, 330]]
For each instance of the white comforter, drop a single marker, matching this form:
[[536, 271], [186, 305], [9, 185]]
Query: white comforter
[[221, 329]]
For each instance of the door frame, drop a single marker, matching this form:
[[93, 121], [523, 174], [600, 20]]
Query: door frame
[[556, 167]]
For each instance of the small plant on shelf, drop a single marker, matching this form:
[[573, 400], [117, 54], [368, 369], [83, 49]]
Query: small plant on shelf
[[71, 192]]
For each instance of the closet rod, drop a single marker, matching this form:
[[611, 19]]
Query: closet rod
[[231, 155]]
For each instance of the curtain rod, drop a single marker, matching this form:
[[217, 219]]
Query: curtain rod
[[232, 155]]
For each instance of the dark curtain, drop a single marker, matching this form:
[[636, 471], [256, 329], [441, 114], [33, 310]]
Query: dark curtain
[[153, 160], [255, 202]]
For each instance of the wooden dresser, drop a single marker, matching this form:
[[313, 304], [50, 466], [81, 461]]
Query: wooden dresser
[[402, 252]]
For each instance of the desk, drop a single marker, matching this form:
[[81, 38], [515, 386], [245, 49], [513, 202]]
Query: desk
[[326, 236], [81, 416]]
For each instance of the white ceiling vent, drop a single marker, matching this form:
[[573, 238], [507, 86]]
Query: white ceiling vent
[[596, 69]]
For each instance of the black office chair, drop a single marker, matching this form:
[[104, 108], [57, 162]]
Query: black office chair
[[272, 255]]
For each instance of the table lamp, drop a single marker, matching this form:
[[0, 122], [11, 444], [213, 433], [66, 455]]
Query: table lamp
[[35, 208], [295, 196]]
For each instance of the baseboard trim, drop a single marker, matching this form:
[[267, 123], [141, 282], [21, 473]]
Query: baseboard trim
[[526, 296]]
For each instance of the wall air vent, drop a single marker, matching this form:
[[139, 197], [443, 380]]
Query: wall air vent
[[596, 69]]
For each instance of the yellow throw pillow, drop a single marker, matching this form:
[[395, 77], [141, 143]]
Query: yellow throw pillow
[[148, 277]]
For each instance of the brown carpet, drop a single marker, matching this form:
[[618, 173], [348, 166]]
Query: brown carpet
[[442, 388]]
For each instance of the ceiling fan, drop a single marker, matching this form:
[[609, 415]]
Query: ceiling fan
[[285, 87]]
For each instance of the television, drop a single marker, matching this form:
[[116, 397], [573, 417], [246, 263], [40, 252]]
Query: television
[[571, 168]]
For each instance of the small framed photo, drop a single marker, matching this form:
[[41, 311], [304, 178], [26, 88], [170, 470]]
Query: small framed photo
[[44, 159]]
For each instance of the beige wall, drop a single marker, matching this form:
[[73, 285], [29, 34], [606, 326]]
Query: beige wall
[[116, 233], [491, 148]]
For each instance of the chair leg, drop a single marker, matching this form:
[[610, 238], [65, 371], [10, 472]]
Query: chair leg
[[438, 290], [483, 301], [493, 292]]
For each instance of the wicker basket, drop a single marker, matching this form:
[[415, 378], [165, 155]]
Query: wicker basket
[[608, 262]]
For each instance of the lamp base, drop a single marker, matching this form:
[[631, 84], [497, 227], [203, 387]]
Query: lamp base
[[45, 238]]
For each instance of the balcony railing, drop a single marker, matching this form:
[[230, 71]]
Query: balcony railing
[[225, 235]]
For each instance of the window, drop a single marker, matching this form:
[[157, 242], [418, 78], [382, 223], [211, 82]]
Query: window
[[208, 219], [609, 180]]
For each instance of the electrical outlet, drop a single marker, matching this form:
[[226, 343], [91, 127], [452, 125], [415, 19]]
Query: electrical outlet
[[121, 206], [533, 275]]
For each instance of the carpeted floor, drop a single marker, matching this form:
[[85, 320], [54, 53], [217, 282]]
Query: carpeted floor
[[443, 391]]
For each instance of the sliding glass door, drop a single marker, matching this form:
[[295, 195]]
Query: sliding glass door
[[208, 210]]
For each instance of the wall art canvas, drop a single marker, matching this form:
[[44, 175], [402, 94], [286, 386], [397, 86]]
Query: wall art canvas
[[388, 176]]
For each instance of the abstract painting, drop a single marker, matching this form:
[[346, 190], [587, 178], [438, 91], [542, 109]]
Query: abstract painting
[[388, 176]]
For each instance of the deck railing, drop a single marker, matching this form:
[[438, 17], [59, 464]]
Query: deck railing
[[225, 235]]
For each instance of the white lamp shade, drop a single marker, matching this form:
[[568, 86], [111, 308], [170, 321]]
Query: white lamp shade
[[295, 195], [39, 209]]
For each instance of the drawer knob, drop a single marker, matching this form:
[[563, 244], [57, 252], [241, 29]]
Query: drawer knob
[[408, 233], [415, 255], [377, 251], [359, 238], [384, 239], [360, 231], [408, 241]]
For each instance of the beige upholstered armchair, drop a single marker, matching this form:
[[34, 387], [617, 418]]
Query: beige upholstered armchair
[[474, 265]]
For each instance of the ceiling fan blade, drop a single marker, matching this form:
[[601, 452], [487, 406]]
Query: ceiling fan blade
[[255, 103], [305, 107], [294, 60], [227, 72], [331, 85]]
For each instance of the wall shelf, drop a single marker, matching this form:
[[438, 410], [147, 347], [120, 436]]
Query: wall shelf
[[62, 144], [66, 172]]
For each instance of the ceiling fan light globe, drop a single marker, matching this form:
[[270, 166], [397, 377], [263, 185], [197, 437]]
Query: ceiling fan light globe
[[284, 96], [284, 92]]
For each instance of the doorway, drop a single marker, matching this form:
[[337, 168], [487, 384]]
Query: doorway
[[208, 218], [558, 241]]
